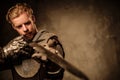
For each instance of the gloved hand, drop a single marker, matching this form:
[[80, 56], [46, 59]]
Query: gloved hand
[[14, 46]]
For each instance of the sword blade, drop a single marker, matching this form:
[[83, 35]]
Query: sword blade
[[60, 61]]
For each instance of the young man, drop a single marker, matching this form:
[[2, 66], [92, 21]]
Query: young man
[[23, 60]]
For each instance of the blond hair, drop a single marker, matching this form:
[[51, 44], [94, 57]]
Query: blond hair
[[17, 10]]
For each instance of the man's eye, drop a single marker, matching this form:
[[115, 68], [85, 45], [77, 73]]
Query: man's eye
[[28, 23], [19, 26]]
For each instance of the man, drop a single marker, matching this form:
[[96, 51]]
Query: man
[[17, 53]]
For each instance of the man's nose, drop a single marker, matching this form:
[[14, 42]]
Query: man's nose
[[25, 29]]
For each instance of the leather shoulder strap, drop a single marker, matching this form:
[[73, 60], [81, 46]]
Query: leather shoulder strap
[[38, 35]]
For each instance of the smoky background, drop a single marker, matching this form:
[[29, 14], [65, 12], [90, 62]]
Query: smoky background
[[88, 29]]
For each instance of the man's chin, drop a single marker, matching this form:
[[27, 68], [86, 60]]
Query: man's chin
[[28, 37]]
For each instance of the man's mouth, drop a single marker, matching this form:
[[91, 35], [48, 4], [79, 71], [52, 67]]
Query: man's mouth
[[29, 35]]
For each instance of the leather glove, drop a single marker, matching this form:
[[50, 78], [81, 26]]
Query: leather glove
[[14, 46]]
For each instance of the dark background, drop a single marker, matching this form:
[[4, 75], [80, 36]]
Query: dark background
[[88, 29]]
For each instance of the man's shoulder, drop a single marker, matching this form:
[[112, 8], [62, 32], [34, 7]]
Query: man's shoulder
[[44, 35]]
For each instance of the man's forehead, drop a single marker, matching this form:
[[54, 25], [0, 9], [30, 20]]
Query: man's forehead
[[21, 19]]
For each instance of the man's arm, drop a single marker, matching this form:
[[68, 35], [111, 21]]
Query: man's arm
[[54, 70], [10, 53]]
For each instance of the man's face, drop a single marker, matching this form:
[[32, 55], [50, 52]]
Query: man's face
[[24, 25]]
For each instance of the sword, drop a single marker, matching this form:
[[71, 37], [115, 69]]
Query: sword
[[61, 62]]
